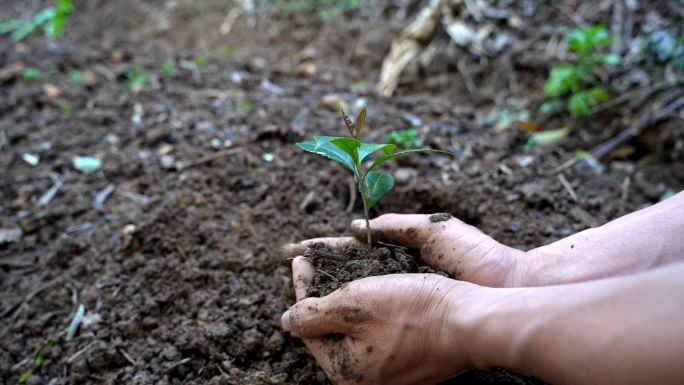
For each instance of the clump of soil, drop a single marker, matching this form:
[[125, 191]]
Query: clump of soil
[[335, 268]]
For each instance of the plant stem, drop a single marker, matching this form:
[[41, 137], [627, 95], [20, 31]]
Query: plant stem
[[365, 212]]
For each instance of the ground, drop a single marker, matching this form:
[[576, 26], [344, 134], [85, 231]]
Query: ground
[[172, 246]]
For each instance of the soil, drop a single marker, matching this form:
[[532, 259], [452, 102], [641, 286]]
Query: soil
[[172, 246]]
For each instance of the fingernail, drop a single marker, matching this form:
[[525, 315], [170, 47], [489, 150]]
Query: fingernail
[[285, 321], [358, 223]]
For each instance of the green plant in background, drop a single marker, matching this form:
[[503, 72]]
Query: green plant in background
[[136, 79], [325, 8], [75, 77], [201, 60], [350, 152], [31, 74], [578, 79], [169, 67], [407, 138], [52, 20]]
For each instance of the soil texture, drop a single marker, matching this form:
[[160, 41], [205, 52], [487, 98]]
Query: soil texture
[[172, 244]]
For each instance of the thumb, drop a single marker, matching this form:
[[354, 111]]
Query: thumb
[[317, 317]]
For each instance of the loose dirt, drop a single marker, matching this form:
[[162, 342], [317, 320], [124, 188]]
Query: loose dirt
[[178, 268]]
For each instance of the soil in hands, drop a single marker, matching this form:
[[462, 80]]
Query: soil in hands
[[335, 268]]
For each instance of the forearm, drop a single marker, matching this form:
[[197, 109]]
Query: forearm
[[639, 241], [611, 331]]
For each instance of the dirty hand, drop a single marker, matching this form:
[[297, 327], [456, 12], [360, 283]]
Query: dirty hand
[[365, 333], [449, 245]]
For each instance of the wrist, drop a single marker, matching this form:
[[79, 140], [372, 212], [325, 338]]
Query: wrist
[[474, 314]]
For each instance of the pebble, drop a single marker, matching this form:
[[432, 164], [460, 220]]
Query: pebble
[[306, 69], [51, 91], [10, 235], [412, 120], [332, 102], [404, 175]]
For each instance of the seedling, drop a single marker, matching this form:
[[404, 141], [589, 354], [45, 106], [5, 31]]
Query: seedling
[[578, 79], [169, 67], [75, 77], [136, 79], [52, 20], [350, 152], [407, 138]]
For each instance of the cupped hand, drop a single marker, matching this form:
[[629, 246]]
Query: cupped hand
[[445, 244], [392, 329]]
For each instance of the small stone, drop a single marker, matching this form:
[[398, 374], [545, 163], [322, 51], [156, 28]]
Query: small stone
[[413, 120], [31, 159], [204, 126], [164, 149], [404, 175], [306, 70], [333, 102], [90, 78], [10, 235], [51, 91]]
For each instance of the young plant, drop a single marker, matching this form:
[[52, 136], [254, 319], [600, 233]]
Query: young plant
[[52, 20], [350, 152], [407, 138], [136, 79], [169, 67], [578, 79]]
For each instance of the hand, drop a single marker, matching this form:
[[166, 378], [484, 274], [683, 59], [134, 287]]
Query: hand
[[460, 250], [392, 329]]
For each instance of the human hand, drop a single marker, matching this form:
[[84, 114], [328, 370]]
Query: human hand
[[392, 329], [449, 245]]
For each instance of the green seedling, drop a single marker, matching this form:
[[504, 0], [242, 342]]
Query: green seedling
[[350, 152], [75, 77], [228, 53], [52, 20], [169, 67], [407, 138], [136, 79], [578, 79], [201, 61], [31, 74]]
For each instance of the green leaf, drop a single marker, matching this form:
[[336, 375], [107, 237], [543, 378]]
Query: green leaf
[[360, 120], [385, 158], [376, 184], [562, 80], [546, 138], [367, 148], [597, 95], [24, 376], [348, 145], [611, 59], [321, 145], [578, 105], [9, 26], [407, 138]]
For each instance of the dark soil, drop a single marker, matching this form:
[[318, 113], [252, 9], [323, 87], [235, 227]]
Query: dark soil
[[177, 263]]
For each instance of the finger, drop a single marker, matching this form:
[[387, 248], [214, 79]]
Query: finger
[[410, 230], [291, 250], [302, 273], [318, 317]]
